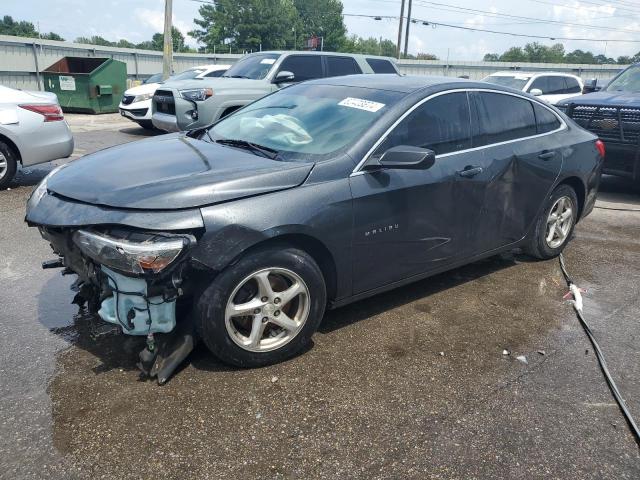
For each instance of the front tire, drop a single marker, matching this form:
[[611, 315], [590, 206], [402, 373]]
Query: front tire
[[262, 309], [8, 165], [555, 225]]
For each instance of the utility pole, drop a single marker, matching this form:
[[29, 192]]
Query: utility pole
[[400, 29], [167, 52], [406, 36]]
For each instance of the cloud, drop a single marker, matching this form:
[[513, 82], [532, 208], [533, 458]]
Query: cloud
[[155, 20]]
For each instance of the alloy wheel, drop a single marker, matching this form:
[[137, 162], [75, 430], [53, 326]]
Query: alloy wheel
[[559, 222], [3, 165], [267, 309]]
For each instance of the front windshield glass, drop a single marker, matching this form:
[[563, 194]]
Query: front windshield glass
[[255, 67], [307, 122], [627, 81], [153, 78], [517, 81], [188, 74]]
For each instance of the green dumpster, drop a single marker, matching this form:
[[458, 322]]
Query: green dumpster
[[87, 84]]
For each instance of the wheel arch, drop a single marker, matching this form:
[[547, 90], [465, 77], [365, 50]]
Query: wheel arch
[[312, 246], [11, 144], [578, 186]]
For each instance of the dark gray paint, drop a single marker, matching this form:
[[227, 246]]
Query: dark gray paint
[[426, 221]]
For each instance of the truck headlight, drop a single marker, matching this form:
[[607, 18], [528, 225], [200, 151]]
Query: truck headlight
[[143, 97], [150, 256], [196, 94]]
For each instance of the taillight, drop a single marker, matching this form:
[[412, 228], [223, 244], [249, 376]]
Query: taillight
[[50, 112], [600, 147]]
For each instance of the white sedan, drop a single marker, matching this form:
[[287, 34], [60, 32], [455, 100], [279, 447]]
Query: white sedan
[[136, 102], [549, 86], [32, 131]]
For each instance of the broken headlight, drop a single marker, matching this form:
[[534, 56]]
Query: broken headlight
[[150, 256]]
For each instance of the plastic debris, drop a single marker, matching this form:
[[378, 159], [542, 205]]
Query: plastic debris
[[506, 352], [274, 379], [441, 354], [522, 359]]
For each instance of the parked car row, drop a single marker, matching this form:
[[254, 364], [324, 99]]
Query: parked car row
[[550, 87]]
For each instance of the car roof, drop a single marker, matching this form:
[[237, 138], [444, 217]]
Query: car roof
[[518, 73], [314, 52], [398, 83]]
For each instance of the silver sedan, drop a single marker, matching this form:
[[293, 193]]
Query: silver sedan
[[32, 131]]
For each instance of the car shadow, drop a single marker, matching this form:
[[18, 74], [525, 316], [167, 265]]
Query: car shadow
[[141, 132], [618, 190]]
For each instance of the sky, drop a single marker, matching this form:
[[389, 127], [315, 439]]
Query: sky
[[138, 20]]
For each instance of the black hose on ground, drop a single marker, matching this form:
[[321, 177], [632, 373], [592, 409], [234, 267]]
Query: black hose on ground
[[577, 306]]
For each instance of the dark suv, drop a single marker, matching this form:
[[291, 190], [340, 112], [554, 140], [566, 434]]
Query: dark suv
[[613, 114]]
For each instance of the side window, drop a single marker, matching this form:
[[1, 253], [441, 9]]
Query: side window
[[441, 124], [541, 83], [381, 66], [572, 85], [557, 86], [215, 73], [546, 121], [303, 67], [503, 117], [342, 66]]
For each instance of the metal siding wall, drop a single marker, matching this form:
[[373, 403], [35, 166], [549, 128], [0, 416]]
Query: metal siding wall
[[18, 69]]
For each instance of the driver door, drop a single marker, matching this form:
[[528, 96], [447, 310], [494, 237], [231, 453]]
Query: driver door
[[409, 222]]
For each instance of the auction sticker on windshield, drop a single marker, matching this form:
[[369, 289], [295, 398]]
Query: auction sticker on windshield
[[361, 104]]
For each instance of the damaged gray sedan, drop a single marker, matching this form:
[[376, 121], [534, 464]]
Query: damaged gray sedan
[[242, 234]]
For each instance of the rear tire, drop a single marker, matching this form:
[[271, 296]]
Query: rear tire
[[8, 165], [263, 309], [554, 227]]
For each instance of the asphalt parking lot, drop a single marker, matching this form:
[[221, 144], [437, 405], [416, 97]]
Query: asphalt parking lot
[[411, 384]]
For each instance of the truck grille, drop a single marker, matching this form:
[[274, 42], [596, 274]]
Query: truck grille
[[127, 99], [618, 124], [164, 102]]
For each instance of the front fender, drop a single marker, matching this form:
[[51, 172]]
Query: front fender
[[319, 211]]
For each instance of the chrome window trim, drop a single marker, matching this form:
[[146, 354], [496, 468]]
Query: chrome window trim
[[563, 126]]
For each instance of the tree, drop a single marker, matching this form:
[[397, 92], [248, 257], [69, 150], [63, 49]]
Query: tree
[[491, 57], [95, 40], [624, 60], [122, 43], [177, 37], [8, 26], [369, 46], [426, 56], [322, 18], [514, 54], [247, 24]]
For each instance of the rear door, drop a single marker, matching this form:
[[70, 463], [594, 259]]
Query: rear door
[[303, 67], [407, 222], [338, 65], [523, 157]]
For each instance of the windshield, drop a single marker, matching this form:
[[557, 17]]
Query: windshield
[[187, 74], [627, 81], [153, 79], [517, 81], [307, 122], [255, 67]]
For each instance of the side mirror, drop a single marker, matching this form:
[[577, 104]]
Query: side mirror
[[405, 156], [284, 76], [591, 86], [536, 92]]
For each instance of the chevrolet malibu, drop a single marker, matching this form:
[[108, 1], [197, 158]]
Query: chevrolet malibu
[[243, 233]]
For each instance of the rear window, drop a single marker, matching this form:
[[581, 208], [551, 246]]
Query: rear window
[[545, 120], [303, 67], [379, 65], [503, 117], [342, 66]]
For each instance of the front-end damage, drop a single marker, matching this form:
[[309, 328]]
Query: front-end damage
[[138, 279]]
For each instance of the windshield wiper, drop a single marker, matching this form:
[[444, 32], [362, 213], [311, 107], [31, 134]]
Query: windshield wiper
[[254, 147]]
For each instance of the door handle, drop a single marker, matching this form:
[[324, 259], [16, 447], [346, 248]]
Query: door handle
[[547, 155], [470, 171]]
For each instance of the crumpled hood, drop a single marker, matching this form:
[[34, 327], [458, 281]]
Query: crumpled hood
[[173, 172], [626, 99]]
